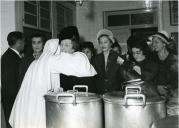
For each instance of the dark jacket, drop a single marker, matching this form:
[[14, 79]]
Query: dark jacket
[[168, 72], [149, 71], [9, 79], [23, 66], [67, 82], [109, 79]]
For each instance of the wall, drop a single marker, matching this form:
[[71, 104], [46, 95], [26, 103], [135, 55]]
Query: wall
[[7, 22], [166, 18], [90, 16]]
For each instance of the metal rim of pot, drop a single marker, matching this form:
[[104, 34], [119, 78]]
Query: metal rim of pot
[[132, 83], [135, 98], [73, 96]]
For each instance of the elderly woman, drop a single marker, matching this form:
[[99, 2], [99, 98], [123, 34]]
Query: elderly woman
[[67, 82], [106, 64], [167, 79]]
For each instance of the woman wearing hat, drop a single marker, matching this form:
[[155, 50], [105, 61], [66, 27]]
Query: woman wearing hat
[[106, 64], [167, 79]]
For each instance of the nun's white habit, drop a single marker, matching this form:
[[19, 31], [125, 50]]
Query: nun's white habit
[[29, 107]]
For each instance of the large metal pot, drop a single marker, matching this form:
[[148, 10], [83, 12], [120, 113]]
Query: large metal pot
[[124, 110], [73, 109]]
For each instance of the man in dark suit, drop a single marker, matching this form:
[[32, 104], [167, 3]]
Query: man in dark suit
[[9, 71]]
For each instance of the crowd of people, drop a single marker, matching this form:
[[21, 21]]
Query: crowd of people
[[25, 80]]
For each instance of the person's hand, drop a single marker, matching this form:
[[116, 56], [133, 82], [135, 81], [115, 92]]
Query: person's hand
[[174, 92], [57, 90], [22, 55], [162, 90], [120, 60], [137, 69]]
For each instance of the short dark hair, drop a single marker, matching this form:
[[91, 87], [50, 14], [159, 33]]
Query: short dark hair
[[14, 36], [142, 45], [88, 44], [38, 35]]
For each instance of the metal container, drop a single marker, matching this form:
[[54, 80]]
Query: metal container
[[73, 109], [168, 122], [125, 110]]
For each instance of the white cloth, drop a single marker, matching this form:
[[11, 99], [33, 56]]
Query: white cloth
[[29, 107]]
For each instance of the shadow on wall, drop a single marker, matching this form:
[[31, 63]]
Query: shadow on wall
[[91, 8]]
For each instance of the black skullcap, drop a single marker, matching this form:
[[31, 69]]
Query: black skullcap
[[70, 32]]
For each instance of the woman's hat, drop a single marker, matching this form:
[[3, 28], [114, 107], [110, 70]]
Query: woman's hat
[[162, 35], [106, 32]]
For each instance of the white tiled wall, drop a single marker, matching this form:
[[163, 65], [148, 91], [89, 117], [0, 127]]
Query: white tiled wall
[[7, 22]]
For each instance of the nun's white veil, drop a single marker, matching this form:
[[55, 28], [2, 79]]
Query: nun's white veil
[[29, 107]]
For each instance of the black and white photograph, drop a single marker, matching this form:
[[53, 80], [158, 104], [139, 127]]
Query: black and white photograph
[[89, 64]]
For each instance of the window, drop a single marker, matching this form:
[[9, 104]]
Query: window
[[37, 15], [130, 18], [142, 18], [118, 20], [124, 23], [64, 16], [30, 13], [44, 14]]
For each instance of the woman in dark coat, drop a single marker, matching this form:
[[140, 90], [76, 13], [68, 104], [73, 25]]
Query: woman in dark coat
[[167, 79], [106, 65], [146, 68], [141, 66]]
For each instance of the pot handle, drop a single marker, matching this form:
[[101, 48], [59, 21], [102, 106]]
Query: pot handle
[[135, 96], [81, 86], [133, 88], [66, 95]]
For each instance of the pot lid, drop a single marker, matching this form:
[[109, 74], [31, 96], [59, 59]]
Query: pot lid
[[121, 98], [133, 80], [71, 97]]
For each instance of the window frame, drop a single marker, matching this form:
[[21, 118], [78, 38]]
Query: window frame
[[38, 26], [130, 12]]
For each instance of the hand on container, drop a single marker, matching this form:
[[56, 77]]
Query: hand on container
[[162, 89], [137, 69], [120, 60]]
